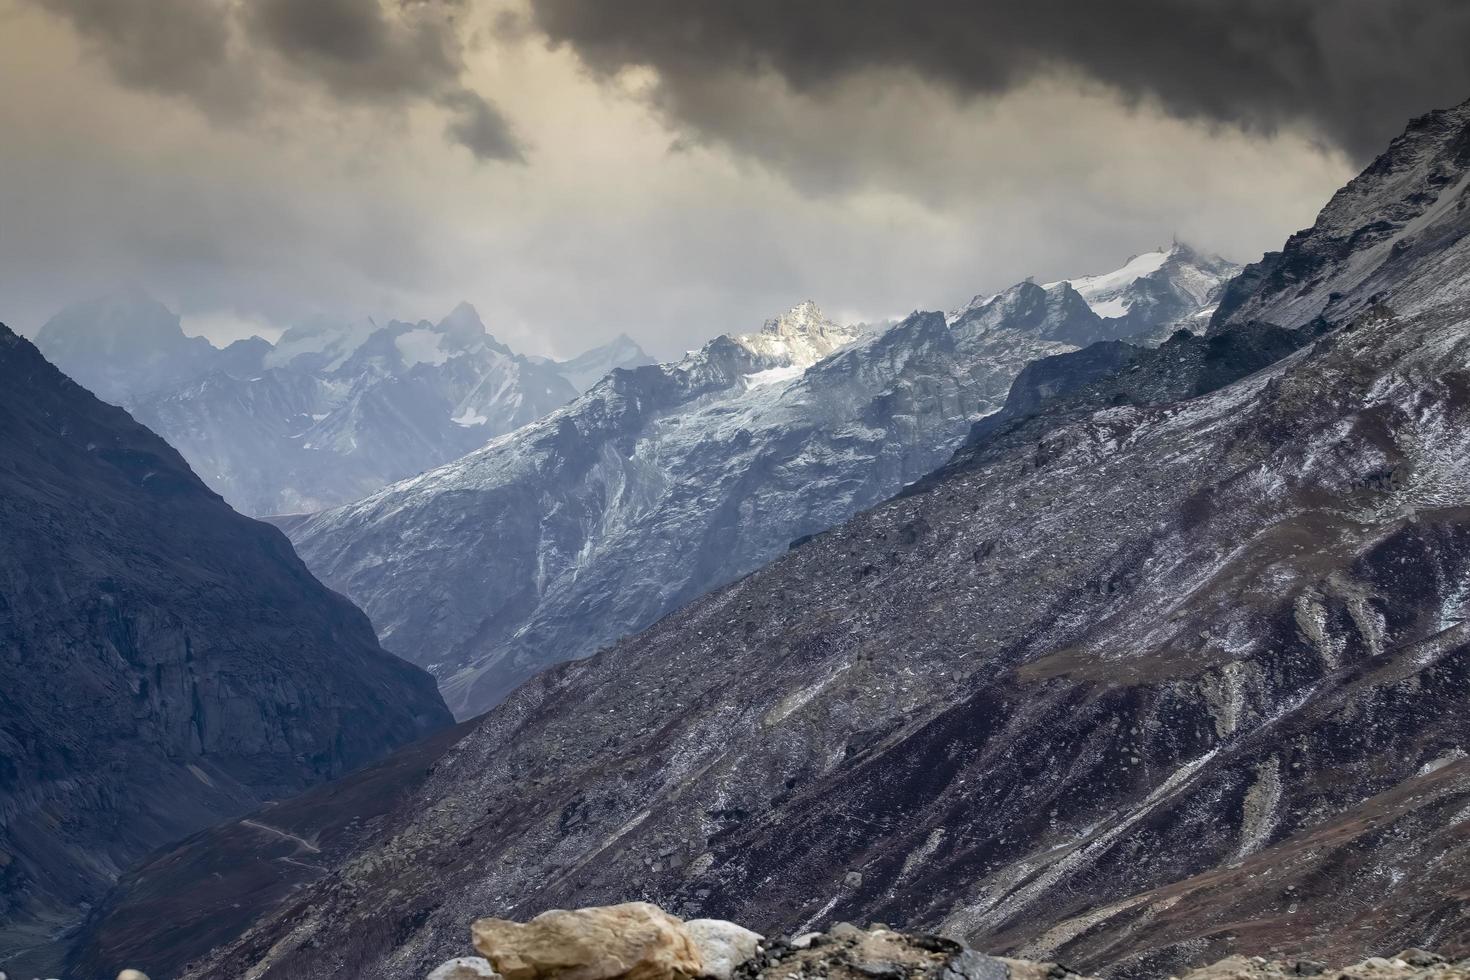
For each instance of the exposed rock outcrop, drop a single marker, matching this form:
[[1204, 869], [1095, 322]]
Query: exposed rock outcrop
[[878, 952], [634, 941]]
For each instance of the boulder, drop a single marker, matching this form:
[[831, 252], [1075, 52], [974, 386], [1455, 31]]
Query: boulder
[[634, 941], [464, 968], [722, 945]]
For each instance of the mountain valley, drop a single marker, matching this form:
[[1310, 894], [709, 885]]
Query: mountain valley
[[1167, 661], [663, 482]]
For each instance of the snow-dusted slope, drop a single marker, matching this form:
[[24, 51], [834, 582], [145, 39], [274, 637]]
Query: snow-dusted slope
[[798, 338], [660, 483], [335, 411], [1386, 236]]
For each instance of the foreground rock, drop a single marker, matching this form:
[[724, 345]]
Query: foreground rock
[[638, 940], [722, 945], [1411, 964], [635, 941], [464, 968]]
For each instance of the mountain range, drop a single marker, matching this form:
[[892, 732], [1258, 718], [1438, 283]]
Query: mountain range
[[330, 412], [663, 482], [1169, 660]]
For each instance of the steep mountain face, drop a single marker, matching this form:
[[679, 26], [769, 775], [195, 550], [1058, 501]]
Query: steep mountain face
[[336, 411], [590, 367], [661, 483], [1399, 222], [1130, 688], [164, 662]]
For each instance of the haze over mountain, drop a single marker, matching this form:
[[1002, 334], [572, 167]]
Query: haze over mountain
[[330, 412], [1073, 600], [663, 482], [1170, 660], [164, 662]]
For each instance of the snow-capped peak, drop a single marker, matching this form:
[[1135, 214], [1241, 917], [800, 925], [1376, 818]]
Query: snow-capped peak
[[799, 338], [1194, 276], [1104, 292]]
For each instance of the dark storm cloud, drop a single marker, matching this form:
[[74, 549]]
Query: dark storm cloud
[[167, 46], [356, 50], [215, 54], [1350, 71]]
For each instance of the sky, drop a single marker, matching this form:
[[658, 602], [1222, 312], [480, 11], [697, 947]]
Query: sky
[[665, 168]]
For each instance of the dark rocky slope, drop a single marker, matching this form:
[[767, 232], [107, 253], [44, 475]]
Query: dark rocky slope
[[164, 662], [1128, 688]]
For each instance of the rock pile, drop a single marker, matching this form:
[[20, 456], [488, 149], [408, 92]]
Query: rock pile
[[639, 941]]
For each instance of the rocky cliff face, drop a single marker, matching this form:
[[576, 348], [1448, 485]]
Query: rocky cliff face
[[661, 483], [164, 662], [1128, 686]]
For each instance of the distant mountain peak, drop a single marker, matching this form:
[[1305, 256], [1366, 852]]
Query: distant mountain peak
[[464, 330], [464, 317], [800, 337], [1156, 287], [591, 366], [122, 341]]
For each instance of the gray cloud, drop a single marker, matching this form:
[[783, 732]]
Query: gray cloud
[[334, 194], [1348, 71], [479, 127], [354, 48], [217, 54]]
